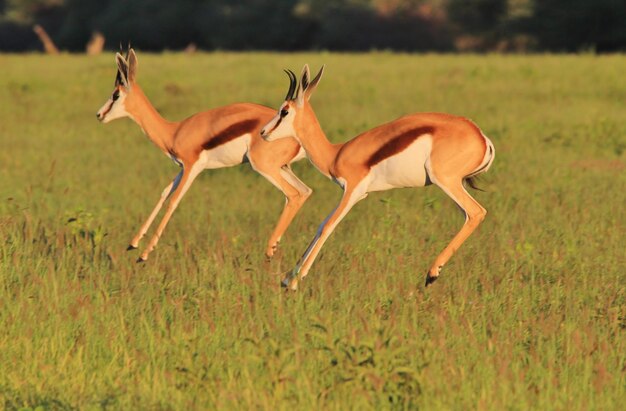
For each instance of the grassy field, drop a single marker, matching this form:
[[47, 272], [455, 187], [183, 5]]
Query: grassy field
[[529, 314]]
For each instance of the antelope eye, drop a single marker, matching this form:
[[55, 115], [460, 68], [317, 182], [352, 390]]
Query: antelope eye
[[284, 112], [115, 95]]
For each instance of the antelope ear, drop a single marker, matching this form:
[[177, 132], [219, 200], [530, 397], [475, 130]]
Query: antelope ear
[[311, 88], [304, 83], [132, 66], [122, 71]]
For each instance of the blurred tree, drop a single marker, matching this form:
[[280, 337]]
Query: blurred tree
[[25, 11], [19, 16], [149, 24], [477, 23], [17, 37], [79, 22], [572, 25], [411, 25], [376, 24], [262, 24]]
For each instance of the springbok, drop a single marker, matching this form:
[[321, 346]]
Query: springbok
[[412, 151], [221, 137]]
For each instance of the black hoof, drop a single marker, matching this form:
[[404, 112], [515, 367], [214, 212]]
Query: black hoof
[[284, 283], [430, 280], [131, 247], [140, 260]]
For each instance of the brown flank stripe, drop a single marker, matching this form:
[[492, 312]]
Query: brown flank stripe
[[397, 144], [230, 133]]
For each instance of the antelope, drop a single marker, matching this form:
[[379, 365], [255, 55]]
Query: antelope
[[220, 137], [412, 151]]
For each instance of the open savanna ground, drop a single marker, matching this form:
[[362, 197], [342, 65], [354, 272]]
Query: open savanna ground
[[529, 314]]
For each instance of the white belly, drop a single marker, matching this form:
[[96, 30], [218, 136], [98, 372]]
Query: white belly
[[226, 155], [405, 169]]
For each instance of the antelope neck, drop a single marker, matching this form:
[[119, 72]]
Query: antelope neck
[[159, 130], [320, 151]]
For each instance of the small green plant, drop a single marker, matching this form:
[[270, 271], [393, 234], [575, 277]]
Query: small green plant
[[379, 365], [83, 225]]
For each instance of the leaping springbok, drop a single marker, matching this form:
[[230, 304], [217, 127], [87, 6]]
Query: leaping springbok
[[412, 151], [221, 137]]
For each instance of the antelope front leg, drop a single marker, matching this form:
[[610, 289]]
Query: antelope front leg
[[164, 196], [349, 199], [185, 182]]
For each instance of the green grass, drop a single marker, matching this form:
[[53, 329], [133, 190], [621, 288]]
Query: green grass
[[529, 314]]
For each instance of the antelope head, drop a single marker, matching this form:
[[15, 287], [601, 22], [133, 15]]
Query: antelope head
[[284, 124], [115, 106]]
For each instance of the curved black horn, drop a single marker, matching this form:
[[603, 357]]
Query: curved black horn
[[292, 84]]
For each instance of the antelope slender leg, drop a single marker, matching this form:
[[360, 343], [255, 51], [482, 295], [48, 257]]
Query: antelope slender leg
[[164, 196], [291, 275], [189, 175], [349, 199], [474, 215], [296, 194]]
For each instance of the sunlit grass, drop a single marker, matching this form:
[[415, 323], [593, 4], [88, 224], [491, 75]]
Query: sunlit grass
[[529, 314]]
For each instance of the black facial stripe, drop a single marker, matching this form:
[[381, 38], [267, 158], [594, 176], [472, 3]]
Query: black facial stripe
[[280, 119], [116, 95], [107, 111]]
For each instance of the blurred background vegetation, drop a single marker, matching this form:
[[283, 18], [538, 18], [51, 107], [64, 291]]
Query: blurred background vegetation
[[405, 25]]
